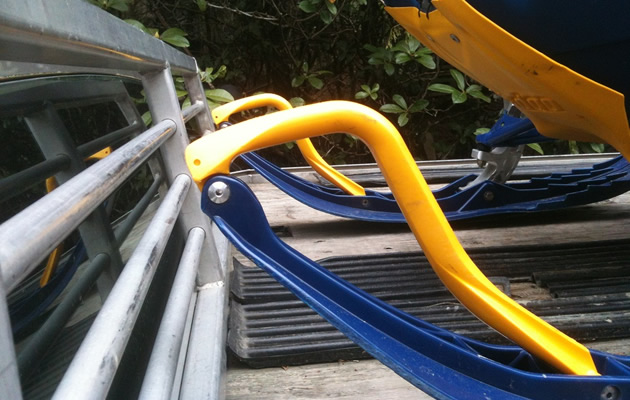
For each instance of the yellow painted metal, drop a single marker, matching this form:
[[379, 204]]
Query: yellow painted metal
[[53, 257], [99, 155], [212, 154], [222, 114], [560, 102]]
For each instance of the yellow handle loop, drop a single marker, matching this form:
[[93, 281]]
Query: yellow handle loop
[[222, 113], [212, 154]]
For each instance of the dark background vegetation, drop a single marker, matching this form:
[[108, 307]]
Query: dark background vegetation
[[306, 51], [316, 50]]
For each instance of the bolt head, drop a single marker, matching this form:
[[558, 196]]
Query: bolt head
[[219, 192]]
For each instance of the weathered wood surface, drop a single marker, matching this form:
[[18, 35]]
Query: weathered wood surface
[[320, 235]]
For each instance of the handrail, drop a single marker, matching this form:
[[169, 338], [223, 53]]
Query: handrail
[[29, 236], [36, 40], [158, 380], [19, 182], [37, 345], [87, 149], [39, 30], [93, 368], [189, 112]]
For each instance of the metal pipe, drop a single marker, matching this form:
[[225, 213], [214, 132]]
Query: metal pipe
[[124, 228], [33, 233], [89, 148], [37, 345], [160, 374], [9, 378], [44, 337], [189, 112], [19, 182], [93, 368], [38, 31]]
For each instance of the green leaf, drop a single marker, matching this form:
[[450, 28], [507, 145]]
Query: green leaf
[[478, 95], [597, 147], [332, 8], [459, 97], [371, 48], [138, 25], [442, 88], [412, 43], [426, 61], [316, 82], [297, 81], [536, 147], [391, 109], [361, 95], [373, 95], [175, 36], [389, 69], [181, 93], [120, 5], [418, 105], [573, 147], [376, 87], [305, 67], [402, 58], [202, 5], [290, 145], [481, 131], [296, 102], [308, 6], [219, 95], [146, 118], [398, 99], [366, 88], [325, 16], [403, 119], [459, 79]]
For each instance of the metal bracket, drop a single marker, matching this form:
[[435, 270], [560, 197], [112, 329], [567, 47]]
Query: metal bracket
[[498, 164]]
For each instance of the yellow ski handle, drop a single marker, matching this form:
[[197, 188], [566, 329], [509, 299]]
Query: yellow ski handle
[[222, 114], [212, 155]]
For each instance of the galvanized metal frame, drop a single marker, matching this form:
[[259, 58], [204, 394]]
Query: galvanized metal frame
[[36, 37]]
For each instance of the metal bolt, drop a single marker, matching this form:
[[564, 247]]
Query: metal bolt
[[455, 38], [610, 393], [219, 192], [224, 125], [365, 202], [488, 195]]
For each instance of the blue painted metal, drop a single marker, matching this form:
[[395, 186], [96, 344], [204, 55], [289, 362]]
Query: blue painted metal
[[510, 131], [441, 363], [556, 191], [24, 312]]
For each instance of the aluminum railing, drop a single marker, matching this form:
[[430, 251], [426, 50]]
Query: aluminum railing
[[188, 357]]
